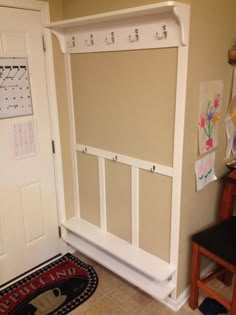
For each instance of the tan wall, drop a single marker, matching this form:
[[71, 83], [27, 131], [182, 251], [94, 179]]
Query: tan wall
[[118, 189], [88, 188], [56, 10], [123, 104], [211, 34], [155, 214], [75, 8]]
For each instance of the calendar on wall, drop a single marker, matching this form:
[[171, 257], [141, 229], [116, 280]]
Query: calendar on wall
[[15, 93]]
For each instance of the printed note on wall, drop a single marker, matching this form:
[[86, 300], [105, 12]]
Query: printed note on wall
[[24, 139], [205, 171]]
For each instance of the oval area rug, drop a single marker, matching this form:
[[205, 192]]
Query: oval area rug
[[57, 288]]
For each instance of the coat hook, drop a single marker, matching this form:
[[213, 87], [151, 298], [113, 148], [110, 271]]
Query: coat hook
[[115, 158], [90, 42], [84, 150], [111, 40], [135, 38], [164, 33], [153, 168], [71, 42]]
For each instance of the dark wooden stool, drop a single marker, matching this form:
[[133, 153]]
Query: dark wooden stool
[[219, 244]]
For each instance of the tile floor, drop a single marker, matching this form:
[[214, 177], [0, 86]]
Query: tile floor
[[114, 296]]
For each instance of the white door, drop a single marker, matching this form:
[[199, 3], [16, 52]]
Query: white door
[[28, 209]]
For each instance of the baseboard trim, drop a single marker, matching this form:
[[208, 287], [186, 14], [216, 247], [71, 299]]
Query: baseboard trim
[[175, 305], [66, 248]]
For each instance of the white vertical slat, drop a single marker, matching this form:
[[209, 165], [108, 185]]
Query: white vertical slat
[[69, 89], [102, 194], [181, 89], [135, 205]]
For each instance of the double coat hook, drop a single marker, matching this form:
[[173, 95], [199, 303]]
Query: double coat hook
[[90, 41], [134, 38], [110, 41], [163, 35]]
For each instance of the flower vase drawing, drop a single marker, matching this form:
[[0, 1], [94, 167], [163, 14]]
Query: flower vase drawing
[[210, 104]]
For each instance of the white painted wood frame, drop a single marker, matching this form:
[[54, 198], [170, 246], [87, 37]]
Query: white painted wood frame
[[97, 242], [43, 8], [72, 132]]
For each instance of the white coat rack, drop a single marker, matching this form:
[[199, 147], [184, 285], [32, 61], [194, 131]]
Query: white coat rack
[[160, 25], [153, 26]]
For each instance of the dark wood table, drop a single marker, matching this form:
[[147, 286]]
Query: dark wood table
[[228, 196]]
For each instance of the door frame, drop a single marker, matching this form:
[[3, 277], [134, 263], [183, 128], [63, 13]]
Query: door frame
[[43, 8]]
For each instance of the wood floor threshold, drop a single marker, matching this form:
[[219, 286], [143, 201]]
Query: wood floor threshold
[[8, 283]]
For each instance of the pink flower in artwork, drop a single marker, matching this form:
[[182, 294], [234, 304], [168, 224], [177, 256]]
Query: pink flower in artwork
[[202, 122], [217, 101], [209, 144]]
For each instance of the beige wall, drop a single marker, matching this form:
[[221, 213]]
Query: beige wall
[[56, 9], [119, 101], [76, 8], [155, 214], [118, 199], [212, 31], [88, 188]]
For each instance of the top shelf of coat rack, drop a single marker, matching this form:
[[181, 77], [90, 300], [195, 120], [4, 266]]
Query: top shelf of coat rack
[[165, 24]]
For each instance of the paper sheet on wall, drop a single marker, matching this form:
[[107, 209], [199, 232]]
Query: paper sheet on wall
[[205, 171], [230, 123], [210, 107], [231, 137], [24, 139]]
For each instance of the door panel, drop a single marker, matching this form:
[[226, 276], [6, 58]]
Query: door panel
[[32, 212], [28, 208], [14, 43]]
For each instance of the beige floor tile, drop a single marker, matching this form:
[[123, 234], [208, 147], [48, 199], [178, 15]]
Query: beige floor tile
[[122, 291], [94, 299], [221, 288], [186, 310], [156, 308], [107, 307], [130, 298], [115, 296], [85, 259], [107, 282]]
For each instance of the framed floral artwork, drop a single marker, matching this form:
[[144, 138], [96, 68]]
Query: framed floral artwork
[[209, 116]]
